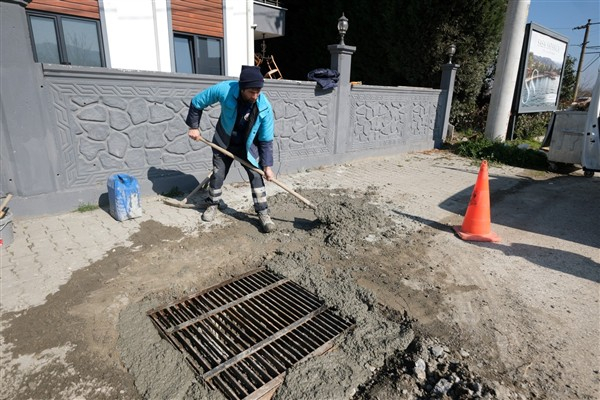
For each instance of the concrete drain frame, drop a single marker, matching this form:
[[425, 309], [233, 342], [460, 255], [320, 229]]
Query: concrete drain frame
[[243, 334]]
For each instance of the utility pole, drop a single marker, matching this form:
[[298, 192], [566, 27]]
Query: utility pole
[[507, 69], [585, 42]]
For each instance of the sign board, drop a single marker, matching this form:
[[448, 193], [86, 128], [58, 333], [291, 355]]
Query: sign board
[[541, 72]]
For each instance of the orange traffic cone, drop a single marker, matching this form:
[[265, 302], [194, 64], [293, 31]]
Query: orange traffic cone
[[477, 223]]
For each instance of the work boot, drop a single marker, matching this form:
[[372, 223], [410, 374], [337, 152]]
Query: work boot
[[210, 213], [222, 205], [265, 220]]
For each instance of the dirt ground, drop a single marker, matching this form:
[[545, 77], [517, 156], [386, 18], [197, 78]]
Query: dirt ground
[[436, 317]]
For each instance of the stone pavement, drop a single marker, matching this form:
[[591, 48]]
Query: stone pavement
[[47, 249]]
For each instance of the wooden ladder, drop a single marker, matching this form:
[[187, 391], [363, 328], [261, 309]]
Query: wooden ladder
[[273, 71]]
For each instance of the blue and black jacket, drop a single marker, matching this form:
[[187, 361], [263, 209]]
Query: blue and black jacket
[[259, 134]]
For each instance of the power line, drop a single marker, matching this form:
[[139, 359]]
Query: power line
[[586, 26], [592, 62]]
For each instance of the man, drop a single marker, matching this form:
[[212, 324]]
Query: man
[[245, 128]]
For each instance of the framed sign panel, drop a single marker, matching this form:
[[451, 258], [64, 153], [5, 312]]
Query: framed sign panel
[[542, 66]]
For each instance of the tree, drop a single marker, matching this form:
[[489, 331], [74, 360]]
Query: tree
[[398, 43], [567, 88]]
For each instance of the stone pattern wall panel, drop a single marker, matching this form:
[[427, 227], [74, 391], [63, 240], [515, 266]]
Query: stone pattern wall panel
[[111, 121], [302, 128], [392, 117], [105, 129]]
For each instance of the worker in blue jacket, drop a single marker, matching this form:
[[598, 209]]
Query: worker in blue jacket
[[245, 128]]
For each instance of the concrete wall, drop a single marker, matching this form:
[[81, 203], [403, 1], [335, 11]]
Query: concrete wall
[[105, 121], [27, 153]]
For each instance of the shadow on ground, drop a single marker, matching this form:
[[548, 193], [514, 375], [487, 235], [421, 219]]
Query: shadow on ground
[[561, 207], [168, 180]]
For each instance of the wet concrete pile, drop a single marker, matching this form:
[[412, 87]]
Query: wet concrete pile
[[348, 221]]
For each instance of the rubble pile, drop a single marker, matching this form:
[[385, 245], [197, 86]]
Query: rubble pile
[[427, 370]]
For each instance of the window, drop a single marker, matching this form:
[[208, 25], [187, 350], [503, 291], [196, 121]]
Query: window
[[66, 40], [198, 55]]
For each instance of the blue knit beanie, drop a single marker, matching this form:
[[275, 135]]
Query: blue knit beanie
[[250, 77]]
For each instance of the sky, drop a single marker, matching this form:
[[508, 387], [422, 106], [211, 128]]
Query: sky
[[561, 16]]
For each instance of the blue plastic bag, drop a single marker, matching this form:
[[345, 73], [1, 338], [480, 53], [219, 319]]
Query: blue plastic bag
[[124, 197]]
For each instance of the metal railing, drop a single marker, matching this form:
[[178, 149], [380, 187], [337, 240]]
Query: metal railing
[[275, 3]]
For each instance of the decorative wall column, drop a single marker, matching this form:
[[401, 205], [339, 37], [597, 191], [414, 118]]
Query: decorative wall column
[[447, 85], [26, 137], [341, 61]]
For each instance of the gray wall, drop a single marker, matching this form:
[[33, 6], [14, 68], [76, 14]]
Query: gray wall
[[400, 119], [66, 129]]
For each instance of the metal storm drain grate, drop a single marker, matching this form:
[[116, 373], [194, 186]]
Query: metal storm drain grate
[[243, 334]]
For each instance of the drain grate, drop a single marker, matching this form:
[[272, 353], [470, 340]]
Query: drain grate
[[243, 334]]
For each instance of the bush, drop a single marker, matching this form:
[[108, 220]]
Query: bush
[[530, 126], [468, 117], [504, 153]]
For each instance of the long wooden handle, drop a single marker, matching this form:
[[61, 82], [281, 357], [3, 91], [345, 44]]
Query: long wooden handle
[[243, 162], [200, 186], [3, 205], [6, 200]]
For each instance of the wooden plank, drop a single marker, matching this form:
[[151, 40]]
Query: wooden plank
[[196, 29], [201, 17], [185, 12], [209, 20], [79, 8], [267, 391]]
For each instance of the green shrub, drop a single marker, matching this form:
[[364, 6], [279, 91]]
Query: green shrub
[[530, 126], [468, 117], [504, 153]]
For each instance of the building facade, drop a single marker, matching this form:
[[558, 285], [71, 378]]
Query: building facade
[[213, 37]]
